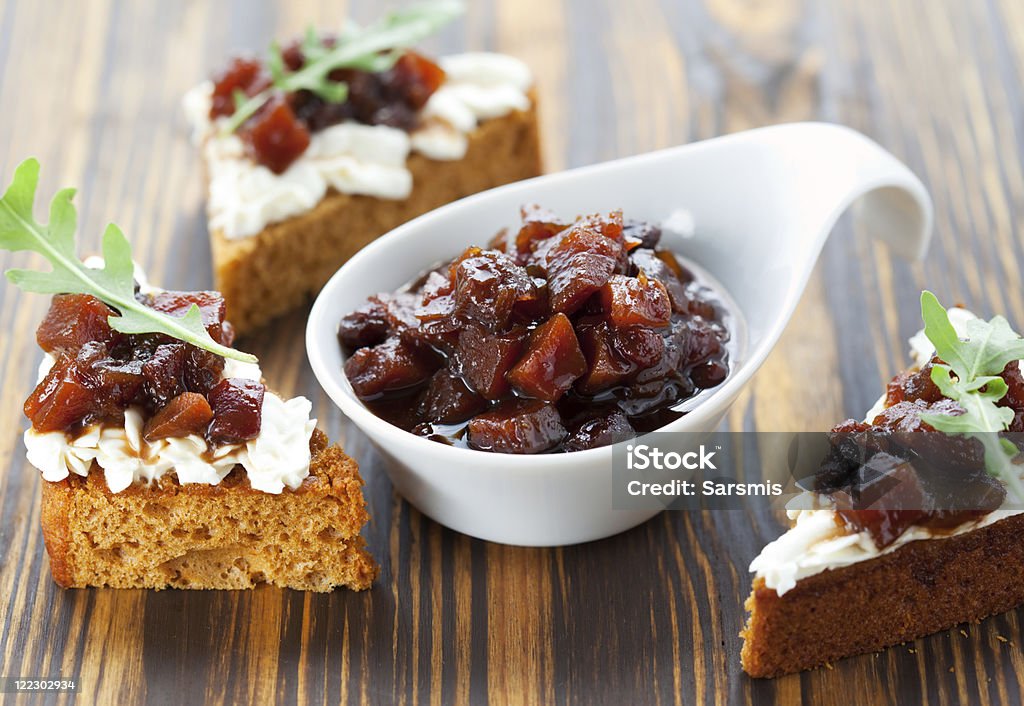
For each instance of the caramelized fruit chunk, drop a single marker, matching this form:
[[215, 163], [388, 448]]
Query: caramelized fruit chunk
[[605, 366], [486, 358], [91, 386], [164, 374], [366, 326], [448, 400], [1014, 397], [887, 499], [237, 405], [74, 320], [488, 285], [639, 345], [242, 75], [538, 225], [709, 374], [552, 362], [188, 413], [912, 386], [211, 310], [416, 78], [602, 431], [653, 266], [203, 369], [636, 301], [517, 427], [389, 367], [61, 400], [274, 137], [583, 260]]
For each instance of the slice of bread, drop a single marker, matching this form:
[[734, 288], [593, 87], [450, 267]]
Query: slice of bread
[[918, 589], [225, 536], [278, 269]]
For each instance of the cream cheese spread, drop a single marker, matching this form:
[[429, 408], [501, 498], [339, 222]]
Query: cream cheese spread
[[351, 158], [816, 542], [278, 457]]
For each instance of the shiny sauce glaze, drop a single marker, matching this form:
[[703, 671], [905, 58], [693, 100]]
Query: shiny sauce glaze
[[895, 471], [99, 373], [561, 336]]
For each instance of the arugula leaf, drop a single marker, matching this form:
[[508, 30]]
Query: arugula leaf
[[373, 48], [970, 376], [114, 284]]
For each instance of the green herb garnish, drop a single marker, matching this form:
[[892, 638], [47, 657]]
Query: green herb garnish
[[373, 48], [970, 376], [114, 284]]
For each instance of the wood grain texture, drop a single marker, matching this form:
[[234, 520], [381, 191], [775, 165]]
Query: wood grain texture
[[650, 616]]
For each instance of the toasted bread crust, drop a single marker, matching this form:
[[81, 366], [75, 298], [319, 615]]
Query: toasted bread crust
[[921, 588], [203, 536], [276, 270]]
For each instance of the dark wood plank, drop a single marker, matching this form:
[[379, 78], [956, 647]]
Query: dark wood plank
[[650, 616]]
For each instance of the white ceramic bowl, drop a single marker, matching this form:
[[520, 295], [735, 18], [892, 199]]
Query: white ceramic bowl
[[763, 203]]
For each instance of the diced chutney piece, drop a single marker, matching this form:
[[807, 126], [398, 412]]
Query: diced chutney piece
[[202, 369], [89, 387], [366, 326], [1014, 398], [538, 224], [709, 374], [905, 417], [274, 137], [61, 400], [485, 358], [517, 427], [639, 344], [488, 285], [237, 405], [447, 399], [606, 368], [389, 367], [651, 264], [888, 499], [188, 413], [164, 374], [636, 301], [912, 386], [552, 363], [211, 308], [701, 340], [601, 431], [583, 259], [241, 75], [416, 78], [74, 320]]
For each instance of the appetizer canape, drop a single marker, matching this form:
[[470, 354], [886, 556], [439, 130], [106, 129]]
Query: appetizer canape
[[556, 337], [335, 139], [166, 461], [912, 523]]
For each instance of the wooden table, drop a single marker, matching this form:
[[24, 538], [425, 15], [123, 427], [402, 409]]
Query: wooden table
[[651, 616]]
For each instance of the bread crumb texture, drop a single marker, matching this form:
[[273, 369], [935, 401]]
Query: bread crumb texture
[[921, 588], [227, 536]]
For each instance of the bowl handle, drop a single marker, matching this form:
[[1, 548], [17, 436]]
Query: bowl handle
[[833, 167]]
